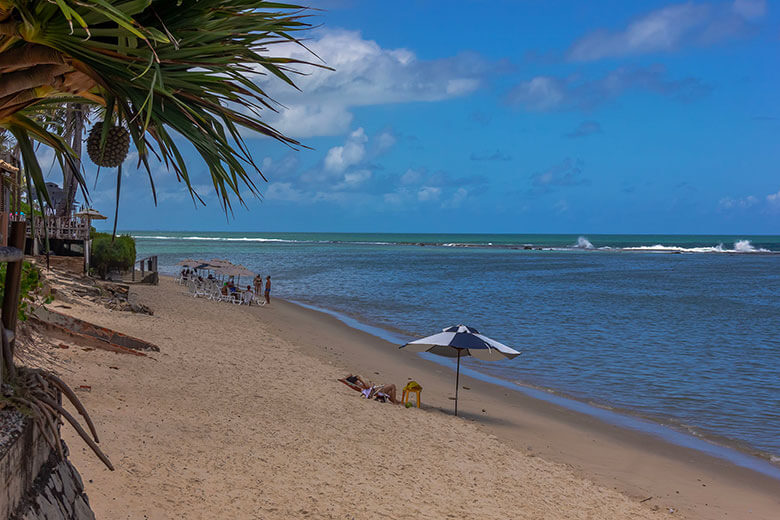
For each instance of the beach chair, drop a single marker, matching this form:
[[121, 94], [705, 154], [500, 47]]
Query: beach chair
[[246, 298], [226, 297], [368, 393], [351, 384], [201, 290]]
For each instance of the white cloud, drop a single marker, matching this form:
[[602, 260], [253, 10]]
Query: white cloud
[[353, 180], [385, 141], [411, 177], [773, 198], [545, 93], [541, 93], [397, 197], [282, 191], [457, 198], [669, 28], [738, 203], [339, 158], [312, 120], [365, 74], [428, 193]]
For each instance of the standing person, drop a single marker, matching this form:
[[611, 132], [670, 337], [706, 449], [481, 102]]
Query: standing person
[[258, 283], [268, 289]]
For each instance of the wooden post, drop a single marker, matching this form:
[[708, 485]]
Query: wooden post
[[87, 252], [13, 276]]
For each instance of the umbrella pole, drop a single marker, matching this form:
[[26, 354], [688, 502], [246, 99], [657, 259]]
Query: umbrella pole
[[457, 384]]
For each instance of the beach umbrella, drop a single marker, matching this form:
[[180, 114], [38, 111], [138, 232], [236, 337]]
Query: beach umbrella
[[459, 341], [240, 270], [188, 263], [92, 214]]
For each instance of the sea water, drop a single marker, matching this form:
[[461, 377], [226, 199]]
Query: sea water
[[682, 330]]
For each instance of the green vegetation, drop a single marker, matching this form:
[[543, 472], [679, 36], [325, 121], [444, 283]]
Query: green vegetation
[[159, 70], [29, 286], [108, 253]]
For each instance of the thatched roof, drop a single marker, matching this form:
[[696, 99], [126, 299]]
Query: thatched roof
[[7, 167]]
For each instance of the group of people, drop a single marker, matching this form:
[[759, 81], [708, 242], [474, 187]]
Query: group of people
[[229, 288], [192, 274], [258, 282]]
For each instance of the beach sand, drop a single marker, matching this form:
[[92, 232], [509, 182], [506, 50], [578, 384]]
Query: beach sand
[[240, 416]]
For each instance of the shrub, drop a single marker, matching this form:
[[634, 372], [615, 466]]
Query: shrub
[[29, 285], [108, 254]]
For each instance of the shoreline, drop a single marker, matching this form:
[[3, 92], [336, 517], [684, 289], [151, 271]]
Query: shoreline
[[731, 450], [161, 423], [672, 464]]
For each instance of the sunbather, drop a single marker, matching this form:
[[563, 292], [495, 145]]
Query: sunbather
[[370, 390]]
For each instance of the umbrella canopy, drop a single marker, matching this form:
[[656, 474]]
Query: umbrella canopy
[[189, 263], [235, 271], [92, 214], [465, 341], [240, 270], [216, 262], [461, 340]]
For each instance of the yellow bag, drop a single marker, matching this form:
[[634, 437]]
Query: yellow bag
[[413, 386]]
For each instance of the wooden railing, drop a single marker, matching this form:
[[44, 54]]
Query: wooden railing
[[148, 264], [69, 228]]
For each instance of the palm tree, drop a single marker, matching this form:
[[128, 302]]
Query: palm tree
[[161, 70]]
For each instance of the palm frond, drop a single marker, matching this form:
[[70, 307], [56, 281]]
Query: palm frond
[[165, 68]]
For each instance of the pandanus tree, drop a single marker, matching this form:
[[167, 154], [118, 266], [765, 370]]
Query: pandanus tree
[[163, 70], [161, 73]]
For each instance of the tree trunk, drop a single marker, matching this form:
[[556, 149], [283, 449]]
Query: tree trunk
[[74, 128]]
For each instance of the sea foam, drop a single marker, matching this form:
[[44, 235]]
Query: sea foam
[[740, 246], [583, 243]]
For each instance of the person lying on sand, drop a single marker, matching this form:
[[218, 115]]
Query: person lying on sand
[[371, 391]]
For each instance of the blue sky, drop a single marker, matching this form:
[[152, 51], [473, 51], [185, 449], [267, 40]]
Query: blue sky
[[512, 116]]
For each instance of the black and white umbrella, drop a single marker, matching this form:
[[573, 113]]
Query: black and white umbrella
[[461, 340]]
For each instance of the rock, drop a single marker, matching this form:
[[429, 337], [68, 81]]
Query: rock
[[81, 510], [141, 308]]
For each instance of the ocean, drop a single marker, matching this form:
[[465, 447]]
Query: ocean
[[678, 330]]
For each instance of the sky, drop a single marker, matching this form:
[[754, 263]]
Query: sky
[[508, 117]]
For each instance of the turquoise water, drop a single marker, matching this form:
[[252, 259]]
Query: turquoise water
[[678, 329]]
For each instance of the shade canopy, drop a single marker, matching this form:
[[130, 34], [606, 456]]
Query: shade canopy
[[189, 263], [459, 341], [92, 214], [240, 270], [465, 339]]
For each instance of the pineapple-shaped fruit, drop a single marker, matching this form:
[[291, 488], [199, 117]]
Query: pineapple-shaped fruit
[[115, 149]]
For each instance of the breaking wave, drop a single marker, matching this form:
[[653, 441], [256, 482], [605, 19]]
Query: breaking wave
[[740, 246], [258, 239], [744, 246], [583, 243], [214, 239]]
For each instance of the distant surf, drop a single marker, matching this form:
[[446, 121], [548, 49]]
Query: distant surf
[[582, 243], [740, 246]]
